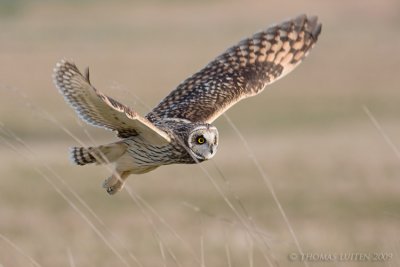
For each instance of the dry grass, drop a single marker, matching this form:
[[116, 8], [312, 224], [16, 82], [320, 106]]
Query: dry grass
[[334, 174]]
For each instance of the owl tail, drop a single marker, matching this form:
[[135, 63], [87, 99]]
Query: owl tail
[[100, 155]]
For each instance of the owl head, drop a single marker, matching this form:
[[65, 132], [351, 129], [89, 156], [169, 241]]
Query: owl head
[[203, 142]]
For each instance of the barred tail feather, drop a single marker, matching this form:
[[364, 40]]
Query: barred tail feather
[[99, 155], [81, 156]]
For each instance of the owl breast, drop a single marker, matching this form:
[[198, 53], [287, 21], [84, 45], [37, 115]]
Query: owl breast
[[143, 154]]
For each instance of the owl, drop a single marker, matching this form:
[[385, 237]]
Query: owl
[[179, 129]]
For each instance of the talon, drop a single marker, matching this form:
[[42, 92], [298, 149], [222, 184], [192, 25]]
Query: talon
[[111, 190]]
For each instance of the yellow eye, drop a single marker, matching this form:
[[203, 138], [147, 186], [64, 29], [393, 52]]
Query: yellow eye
[[200, 140]]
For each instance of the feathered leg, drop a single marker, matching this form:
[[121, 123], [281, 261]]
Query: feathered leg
[[115, 182]]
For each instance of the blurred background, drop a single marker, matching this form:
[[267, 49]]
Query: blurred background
[[333, 171]]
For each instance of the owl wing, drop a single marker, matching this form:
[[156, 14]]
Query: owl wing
[[100, 110], [242, 71]]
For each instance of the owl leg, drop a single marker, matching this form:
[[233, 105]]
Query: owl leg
[[115, 182]]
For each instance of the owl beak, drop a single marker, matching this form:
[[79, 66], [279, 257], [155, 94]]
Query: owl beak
[[211, 154]]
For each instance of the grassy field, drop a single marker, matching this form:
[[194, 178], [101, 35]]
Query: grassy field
[[333, 172]]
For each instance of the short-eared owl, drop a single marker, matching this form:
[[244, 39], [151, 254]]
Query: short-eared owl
[[178, 129]]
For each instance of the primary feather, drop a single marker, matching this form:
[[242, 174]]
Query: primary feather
[[242, 71], [100, 110]]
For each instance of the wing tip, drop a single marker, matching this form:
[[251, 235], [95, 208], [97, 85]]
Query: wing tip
[[63, 62], [61, 68], [305, 22], [299, 20], [67, 65], [314, 26]]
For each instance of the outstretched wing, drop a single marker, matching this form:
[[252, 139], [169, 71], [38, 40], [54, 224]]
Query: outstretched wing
[[100, 110], [242, 71]]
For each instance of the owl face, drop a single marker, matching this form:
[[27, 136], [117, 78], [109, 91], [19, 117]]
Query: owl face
[[203, 142]]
